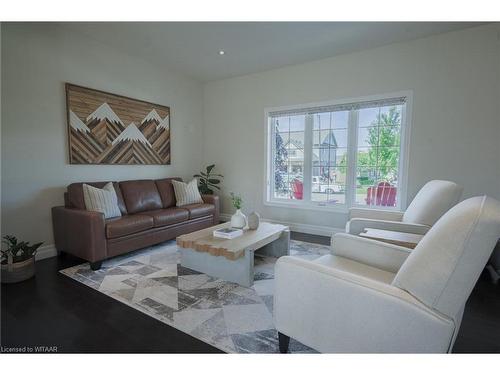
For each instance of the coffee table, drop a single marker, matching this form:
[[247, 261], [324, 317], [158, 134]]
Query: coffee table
[[409, 240], [232, 260]]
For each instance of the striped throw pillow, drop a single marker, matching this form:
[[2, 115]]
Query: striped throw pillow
[[102, 200], [186, 193]]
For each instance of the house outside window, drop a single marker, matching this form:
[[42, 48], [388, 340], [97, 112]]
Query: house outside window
[[339, 155]]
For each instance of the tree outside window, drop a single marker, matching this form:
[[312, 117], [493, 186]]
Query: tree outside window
[[382, 156], [280, 162]]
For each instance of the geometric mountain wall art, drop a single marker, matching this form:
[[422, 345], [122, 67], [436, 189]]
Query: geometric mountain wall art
[[105, 128]]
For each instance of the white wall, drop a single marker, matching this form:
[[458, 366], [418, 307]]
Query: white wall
[[455, 134], [456, 123], [37, 59]]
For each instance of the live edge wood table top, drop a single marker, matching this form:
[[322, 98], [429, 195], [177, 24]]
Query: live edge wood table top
[[409, 240], [232, 249]]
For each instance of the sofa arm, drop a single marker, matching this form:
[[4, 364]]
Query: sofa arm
[[357, 225], [213, 199], [373, 253], [80, 233], [370, 213], [334, 311]]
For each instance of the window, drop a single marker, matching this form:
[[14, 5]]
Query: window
[[338, 155]]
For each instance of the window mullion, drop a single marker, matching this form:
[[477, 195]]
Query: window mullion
[[308, 141], [352, 143], [402, 162], [270, 160]]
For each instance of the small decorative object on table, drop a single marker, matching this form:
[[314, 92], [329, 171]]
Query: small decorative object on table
[[18, 261], [253, 220], [208, 181], [238, 220], [228, 233]]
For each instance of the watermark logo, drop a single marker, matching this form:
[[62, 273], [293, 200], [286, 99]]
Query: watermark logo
[[28, 349]]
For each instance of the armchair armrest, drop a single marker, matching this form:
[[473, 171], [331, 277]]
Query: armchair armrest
[[370, 213], [334, 311], [213, 199], [80, 232], [357, 225], [373, 253]]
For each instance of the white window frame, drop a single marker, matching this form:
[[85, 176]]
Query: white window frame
[[306, 203]]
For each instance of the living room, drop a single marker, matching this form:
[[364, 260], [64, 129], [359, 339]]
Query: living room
[[181, 187]]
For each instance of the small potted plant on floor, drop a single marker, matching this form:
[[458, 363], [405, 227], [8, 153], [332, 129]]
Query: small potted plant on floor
[[18, 260], [207, 181]]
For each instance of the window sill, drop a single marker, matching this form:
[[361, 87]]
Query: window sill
[[377, 208], [341, 208]]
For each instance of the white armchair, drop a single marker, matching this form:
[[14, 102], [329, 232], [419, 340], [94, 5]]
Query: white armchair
[[432, 201], [369, 296]]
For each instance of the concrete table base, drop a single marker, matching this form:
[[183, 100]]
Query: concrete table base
[[239, 271]]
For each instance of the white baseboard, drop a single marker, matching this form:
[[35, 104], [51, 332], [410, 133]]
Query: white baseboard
[[47, 251], [298, 227]]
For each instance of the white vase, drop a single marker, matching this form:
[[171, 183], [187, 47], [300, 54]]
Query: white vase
[[253, 220], [238, 220]]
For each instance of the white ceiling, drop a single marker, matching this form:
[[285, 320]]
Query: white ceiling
[[192, 48]]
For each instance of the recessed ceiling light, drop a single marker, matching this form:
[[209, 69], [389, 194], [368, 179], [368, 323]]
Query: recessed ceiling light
[[221, 52]]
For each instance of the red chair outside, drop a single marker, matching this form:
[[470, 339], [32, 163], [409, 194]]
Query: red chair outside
[[297, 189], [384, 194]]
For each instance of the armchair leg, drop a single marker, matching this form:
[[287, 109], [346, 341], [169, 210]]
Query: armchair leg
[[94, 266], [284, 341]]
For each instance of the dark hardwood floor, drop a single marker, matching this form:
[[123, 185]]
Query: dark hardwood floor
[[54, 310]]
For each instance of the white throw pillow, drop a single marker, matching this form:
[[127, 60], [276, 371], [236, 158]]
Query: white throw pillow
[[186, 193], [102, 200]]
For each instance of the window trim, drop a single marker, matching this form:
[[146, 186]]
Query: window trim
[[403, 165]]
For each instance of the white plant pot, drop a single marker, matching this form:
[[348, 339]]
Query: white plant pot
[[238, 220]]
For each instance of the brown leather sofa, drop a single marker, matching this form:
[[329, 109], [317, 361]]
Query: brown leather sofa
[[149, 216]]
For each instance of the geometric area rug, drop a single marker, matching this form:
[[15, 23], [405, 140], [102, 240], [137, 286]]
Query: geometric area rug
[[233, 318]]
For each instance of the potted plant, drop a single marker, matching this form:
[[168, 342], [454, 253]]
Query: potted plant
[[238, 220], [208, 181], [18, 260]]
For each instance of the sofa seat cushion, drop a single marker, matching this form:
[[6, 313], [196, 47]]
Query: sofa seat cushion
[[128, 224], [199, 210], [168, 216]]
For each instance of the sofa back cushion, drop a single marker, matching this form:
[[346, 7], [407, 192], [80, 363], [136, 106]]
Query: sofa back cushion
[[74, 197], [140, 195], [166, 191]]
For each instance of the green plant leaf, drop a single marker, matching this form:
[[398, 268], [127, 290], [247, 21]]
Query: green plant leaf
[[196, 175], [10, 240], [213, 181], [19, 251], [209, 168], [31, 250]]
